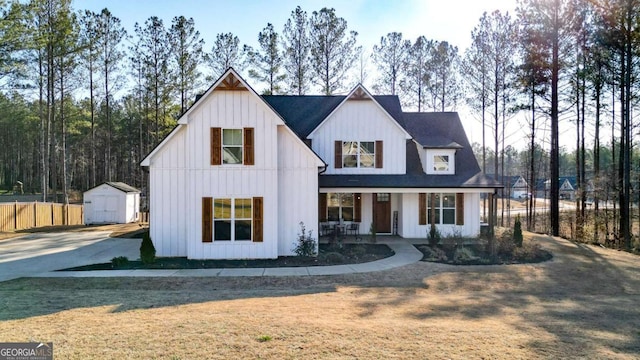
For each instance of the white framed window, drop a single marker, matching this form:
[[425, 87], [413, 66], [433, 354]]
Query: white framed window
[[441, 163], [232, 219], [444, 206], [358, 154], [340, 206], [232, 146]]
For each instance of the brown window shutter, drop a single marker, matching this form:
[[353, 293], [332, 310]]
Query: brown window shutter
[[422, 209], [337, 161], [248, 147], [357, 216], [207, 220], [459, 209], [216, 146], [379, 152], [258, 221], [322, 207]]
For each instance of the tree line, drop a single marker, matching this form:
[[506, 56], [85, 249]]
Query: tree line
[[84, 100]]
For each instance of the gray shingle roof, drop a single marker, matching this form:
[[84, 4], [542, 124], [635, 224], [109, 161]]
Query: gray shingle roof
[[123, 187], [437, 130], [304, 113]]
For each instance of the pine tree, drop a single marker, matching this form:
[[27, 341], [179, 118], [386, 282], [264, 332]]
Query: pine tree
[[267, 60], [296, 52], [390, 57], [333, 50], [187, 53]]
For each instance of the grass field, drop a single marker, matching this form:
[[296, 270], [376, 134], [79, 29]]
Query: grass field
[[581, 304]]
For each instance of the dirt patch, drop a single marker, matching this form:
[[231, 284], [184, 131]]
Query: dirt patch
[[581, 304]]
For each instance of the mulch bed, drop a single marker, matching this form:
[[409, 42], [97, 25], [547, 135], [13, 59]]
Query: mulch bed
[[329, 255], [478, 255]]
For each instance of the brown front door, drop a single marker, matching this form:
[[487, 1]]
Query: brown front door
[[382, 212]]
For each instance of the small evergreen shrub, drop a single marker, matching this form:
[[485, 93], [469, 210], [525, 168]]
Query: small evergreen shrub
[[147, 250], [120, 261], [306, 245], [372, 232], [517, 232]]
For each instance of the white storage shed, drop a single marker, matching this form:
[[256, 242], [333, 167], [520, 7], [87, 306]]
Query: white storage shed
[[111, 202]]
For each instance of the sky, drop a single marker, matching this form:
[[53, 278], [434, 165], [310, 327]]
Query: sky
[[444, 20]]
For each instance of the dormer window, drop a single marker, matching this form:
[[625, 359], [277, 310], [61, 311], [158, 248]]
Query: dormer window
[[441, 163]]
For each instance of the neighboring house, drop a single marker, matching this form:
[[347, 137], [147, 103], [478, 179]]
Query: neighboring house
[[567, 191], [111, 202], [519, 187], [241, 171]]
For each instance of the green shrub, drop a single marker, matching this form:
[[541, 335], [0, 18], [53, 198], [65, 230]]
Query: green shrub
[[306, 245], [434, 236], [372, 232], [120, 261], [147, 250], [517, 232]]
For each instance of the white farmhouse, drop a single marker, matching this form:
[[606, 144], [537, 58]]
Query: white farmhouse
[[240, 171]]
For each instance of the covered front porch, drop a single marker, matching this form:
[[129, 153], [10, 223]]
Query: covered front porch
[[407, 213]]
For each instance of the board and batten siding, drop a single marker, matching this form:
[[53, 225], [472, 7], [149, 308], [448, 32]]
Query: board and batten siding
[[298, 192], [168, 197], [409, 227], [232, 110], [361, 120]]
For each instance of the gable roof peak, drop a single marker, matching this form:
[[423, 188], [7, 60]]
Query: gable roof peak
[[359, 92], [230, 80]]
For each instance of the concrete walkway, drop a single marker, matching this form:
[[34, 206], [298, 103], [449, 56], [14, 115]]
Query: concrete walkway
[[405, 254], [37, 253]]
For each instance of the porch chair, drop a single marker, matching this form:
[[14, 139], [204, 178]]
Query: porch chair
[[326, 229], [353, 229]]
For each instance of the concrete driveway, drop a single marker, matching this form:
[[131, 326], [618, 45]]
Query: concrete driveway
[[37, 253]]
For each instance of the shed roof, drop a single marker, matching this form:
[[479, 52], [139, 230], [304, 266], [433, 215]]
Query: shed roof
[[122, 187]]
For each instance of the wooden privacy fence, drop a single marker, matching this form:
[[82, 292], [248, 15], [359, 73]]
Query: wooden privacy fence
[[18, 216]]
